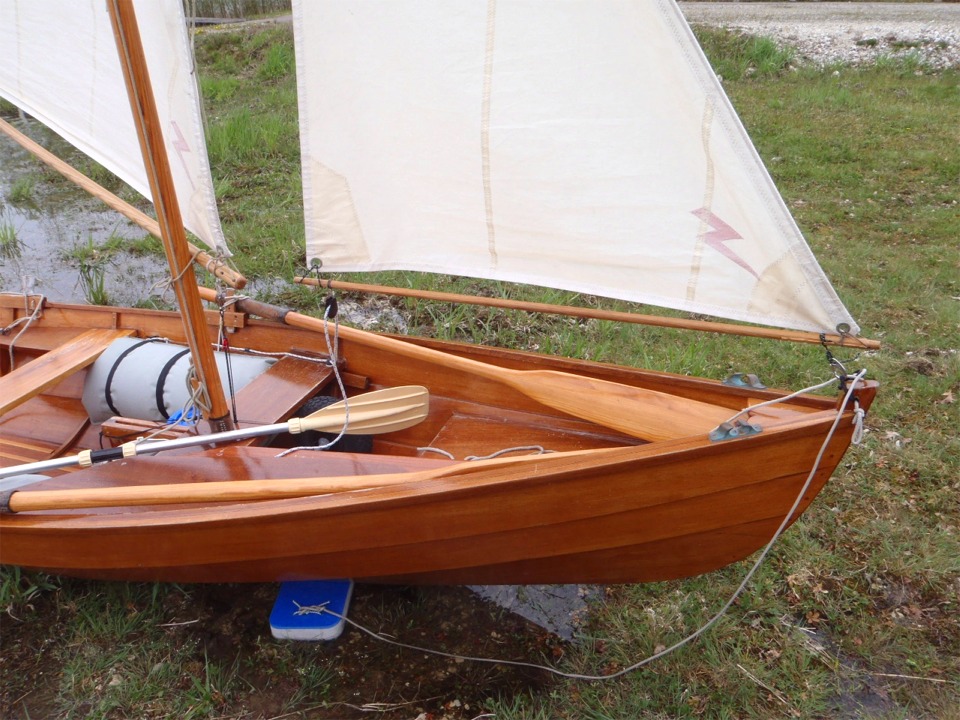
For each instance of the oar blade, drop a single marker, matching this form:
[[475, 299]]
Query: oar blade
[[372, 413], [642, 413], [398, 420]]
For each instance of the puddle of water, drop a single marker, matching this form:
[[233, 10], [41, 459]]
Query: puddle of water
[[56, 219]]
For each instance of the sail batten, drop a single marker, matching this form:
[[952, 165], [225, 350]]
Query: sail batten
[[579, 145], [58, 63]]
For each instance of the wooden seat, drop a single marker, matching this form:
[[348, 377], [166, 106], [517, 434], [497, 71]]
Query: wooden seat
[[16, 451], [273, 396], [32, 378]]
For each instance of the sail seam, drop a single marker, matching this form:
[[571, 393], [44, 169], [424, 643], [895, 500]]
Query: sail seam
[[708, 192], [485, 131]]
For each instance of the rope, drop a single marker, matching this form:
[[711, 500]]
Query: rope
[[333, 348], [748, 410], [689, 638], [446, 454], [858, 416], [26, 321], [198, 398], [224, 344], [533, 449]]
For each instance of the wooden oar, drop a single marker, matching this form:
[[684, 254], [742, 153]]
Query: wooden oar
[[241, 490], [377, 412], [638, 412]]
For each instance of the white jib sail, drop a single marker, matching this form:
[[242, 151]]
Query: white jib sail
[[59, 63], [578, 144]]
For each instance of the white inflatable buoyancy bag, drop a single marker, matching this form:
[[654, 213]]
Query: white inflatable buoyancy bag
[[147, 379]]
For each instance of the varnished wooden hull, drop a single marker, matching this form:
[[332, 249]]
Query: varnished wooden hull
[[619, 510]]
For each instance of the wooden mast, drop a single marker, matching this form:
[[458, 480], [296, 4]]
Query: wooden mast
[[145, 116]]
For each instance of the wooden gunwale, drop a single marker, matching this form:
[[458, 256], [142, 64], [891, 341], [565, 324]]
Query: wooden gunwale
[[503, 470], [272, 335]]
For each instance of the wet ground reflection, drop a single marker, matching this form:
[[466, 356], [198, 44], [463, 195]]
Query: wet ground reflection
[[47, 225]]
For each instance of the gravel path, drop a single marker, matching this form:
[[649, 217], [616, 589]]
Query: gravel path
[[848, 32]]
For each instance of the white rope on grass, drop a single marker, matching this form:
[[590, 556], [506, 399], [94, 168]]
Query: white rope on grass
[[857, 420]]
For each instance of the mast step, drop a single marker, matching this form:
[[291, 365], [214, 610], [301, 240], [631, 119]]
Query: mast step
[[299, 612]]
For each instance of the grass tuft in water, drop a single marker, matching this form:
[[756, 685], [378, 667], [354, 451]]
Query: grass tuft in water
[[11, 247], [93, 262], [22, 192]]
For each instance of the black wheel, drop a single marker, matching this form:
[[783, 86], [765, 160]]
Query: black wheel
[[348, 443]]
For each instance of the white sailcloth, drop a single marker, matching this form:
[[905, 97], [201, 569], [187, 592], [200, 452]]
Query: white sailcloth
[[59, 63], [579, 144]]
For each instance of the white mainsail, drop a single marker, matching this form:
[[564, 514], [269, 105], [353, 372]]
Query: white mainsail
[[58, 62], [578, 144]]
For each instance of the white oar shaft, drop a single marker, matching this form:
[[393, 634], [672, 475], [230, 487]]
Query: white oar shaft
[[375, 412], [138, 447]]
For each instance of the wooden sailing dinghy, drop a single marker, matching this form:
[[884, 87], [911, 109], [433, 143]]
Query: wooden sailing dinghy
[[503, 154]]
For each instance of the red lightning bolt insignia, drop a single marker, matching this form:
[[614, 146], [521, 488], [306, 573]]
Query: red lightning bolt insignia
[[720, 234], [181, 145]]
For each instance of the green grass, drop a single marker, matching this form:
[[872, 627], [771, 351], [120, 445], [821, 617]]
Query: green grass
[[11, 246], [855, 613], [21, 192], [737, 56], [93, 262]]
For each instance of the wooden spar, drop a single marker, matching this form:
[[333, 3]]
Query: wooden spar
[[142, 105], [597, 314], [200, 257], [256, 490], [641, 413]]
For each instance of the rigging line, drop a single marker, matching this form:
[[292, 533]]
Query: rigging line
[[332, 349], [689, 638], [708, 193], [26, 321], [224, 344], [256, 353], [785, 398]]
